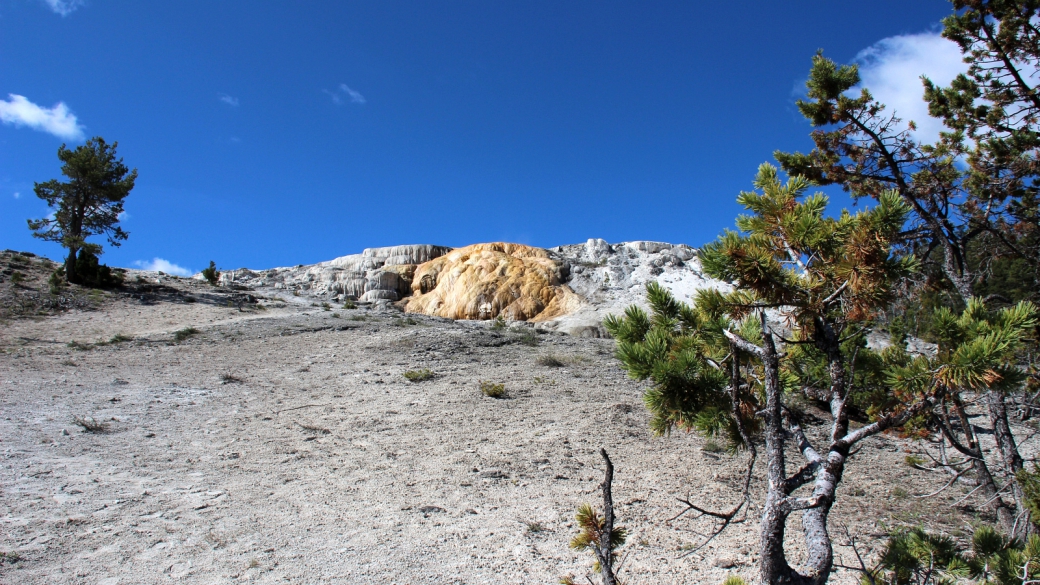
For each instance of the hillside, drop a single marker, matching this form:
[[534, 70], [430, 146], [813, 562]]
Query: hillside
[[251, 434]]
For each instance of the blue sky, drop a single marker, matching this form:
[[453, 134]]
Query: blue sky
[[280, 133]]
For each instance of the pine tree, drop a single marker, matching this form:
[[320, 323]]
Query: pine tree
[[801, 278], [90, 203]]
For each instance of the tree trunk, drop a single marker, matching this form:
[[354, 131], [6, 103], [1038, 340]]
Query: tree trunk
[[996, 505], [1012, 460], [774, 569]]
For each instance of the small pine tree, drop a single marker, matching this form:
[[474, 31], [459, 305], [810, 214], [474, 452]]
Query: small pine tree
[[211, 274]]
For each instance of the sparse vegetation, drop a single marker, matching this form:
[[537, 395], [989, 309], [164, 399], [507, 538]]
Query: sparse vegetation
[[535, 527], [9, 558], [79, 346], [349, 304], [525, 336], [90, 424], [184, 334], [492, 390], [419, 375], [326, 307], [399, 322], [120, 338], [17, 277], [229, 378], [498, 323], [550, 361]]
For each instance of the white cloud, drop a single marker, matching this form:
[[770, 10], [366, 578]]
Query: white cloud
[[17, 195], [161, 265], [231, 101], [892, 68], [57, 120], [345, 93], [64, 7], [123, 216], [355, 97]]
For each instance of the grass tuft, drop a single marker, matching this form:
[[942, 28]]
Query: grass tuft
[[186, 333]]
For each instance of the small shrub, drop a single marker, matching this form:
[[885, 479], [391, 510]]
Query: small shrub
[[498, 324], [79, 346], [334, 315], [914, 460], [711, 446], [120, 338], [404, 322], [17, 277], [535, 527], [211, 274], [525, 336], [186, 333], [492, 390], [419, 375], [326, 307], [229, 378], [544, 380], [550, 361], [900, 493], [359, 318], [90, 425], [9, 558], [56, 281], [349, 304]]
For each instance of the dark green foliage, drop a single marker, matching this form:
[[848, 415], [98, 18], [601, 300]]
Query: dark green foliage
[[90, 273], [671, 349], [90, 203], [211, 274], [916, 557], [56, 281], [17, 277]]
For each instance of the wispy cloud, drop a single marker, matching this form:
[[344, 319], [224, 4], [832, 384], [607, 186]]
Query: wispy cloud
[[58, 120], [892, 68], [344, 94], [64, 7], [161, 265], [17, 195], [231, 101]]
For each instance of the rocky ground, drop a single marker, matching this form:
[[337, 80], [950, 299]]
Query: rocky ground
[[259, 439]]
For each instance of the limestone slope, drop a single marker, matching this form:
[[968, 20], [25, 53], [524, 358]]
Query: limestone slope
[[567, 288]]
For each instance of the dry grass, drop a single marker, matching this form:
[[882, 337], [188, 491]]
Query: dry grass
[[90, 424]]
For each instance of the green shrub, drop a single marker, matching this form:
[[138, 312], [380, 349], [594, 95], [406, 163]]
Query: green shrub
[[211, 274], [492, 390], [186, 333], [326, 307], [419, 375], [349, 304], [17, 277], [120, 338], [498, 324]]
